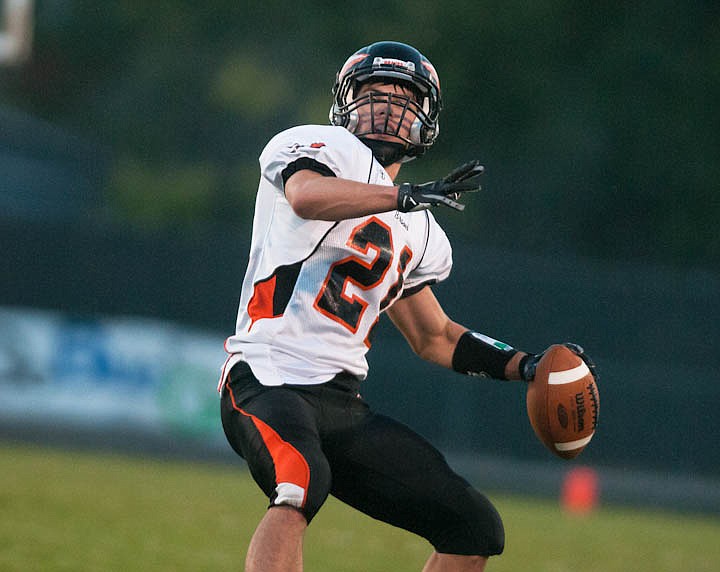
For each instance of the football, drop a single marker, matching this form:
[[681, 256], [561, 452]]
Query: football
[[563, 402]]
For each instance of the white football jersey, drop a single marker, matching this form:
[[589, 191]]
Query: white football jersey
[[314, 290]]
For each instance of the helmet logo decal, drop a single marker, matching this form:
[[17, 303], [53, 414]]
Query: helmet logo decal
[[433, 74], [379, 61], [351, 61]]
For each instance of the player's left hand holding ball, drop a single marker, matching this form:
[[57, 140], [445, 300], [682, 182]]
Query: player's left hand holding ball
[[563, 401], [528, 365]]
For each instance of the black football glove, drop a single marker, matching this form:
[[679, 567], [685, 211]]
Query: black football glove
[[528, 364], [464, 179]]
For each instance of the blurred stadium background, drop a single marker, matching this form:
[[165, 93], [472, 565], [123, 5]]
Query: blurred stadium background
[[129, 136]]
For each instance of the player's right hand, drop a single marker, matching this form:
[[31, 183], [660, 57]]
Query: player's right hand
[[464, 179]]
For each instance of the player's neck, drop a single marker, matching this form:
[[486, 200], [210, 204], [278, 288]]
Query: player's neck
[[393, 170]]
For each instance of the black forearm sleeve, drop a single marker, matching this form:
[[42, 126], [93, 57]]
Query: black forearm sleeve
[[477, 354]]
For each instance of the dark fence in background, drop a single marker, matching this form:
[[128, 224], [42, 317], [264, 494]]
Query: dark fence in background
[[653, 331], [47, 173]]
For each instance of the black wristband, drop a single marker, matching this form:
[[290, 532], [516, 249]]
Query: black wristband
[[477, 354]]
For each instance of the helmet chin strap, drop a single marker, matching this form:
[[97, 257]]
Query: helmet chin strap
[[386, 152]]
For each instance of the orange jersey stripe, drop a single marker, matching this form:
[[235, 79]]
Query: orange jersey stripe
[[261, 304]]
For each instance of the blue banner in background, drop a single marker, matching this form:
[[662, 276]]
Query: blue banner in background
[[140, 372], [149, 386]]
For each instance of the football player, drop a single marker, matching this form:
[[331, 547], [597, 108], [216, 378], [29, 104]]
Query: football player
[[336, 242]]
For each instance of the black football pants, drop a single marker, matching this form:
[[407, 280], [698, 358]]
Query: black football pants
[[302, 443]]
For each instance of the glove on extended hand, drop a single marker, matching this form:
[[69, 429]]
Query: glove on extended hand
[[464, 179], [528, 364]]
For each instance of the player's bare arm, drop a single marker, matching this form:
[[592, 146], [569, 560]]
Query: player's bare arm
[[432, 334], [317, 197]]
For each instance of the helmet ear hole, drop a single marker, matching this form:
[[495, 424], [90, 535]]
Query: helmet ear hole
[[347, 120], [417, 132], [430, 134], [421, 134], [351, 121]]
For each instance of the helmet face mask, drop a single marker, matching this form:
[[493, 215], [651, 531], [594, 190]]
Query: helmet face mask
[[398, 114], [414, 105]]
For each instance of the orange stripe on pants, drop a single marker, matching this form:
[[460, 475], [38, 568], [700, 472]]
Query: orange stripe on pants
[[290, 465]]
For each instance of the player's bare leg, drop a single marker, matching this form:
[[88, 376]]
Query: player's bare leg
[[454, 563], [276, 545]]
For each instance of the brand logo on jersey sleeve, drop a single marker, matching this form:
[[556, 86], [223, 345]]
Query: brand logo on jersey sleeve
[[295, 147], [402, 220]]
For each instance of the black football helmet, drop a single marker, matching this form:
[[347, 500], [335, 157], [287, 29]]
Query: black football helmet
[[391, 63]]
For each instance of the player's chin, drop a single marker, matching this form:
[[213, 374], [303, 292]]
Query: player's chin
[[386, 137]]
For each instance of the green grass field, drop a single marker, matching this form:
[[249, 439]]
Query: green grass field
[[101, 512]]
